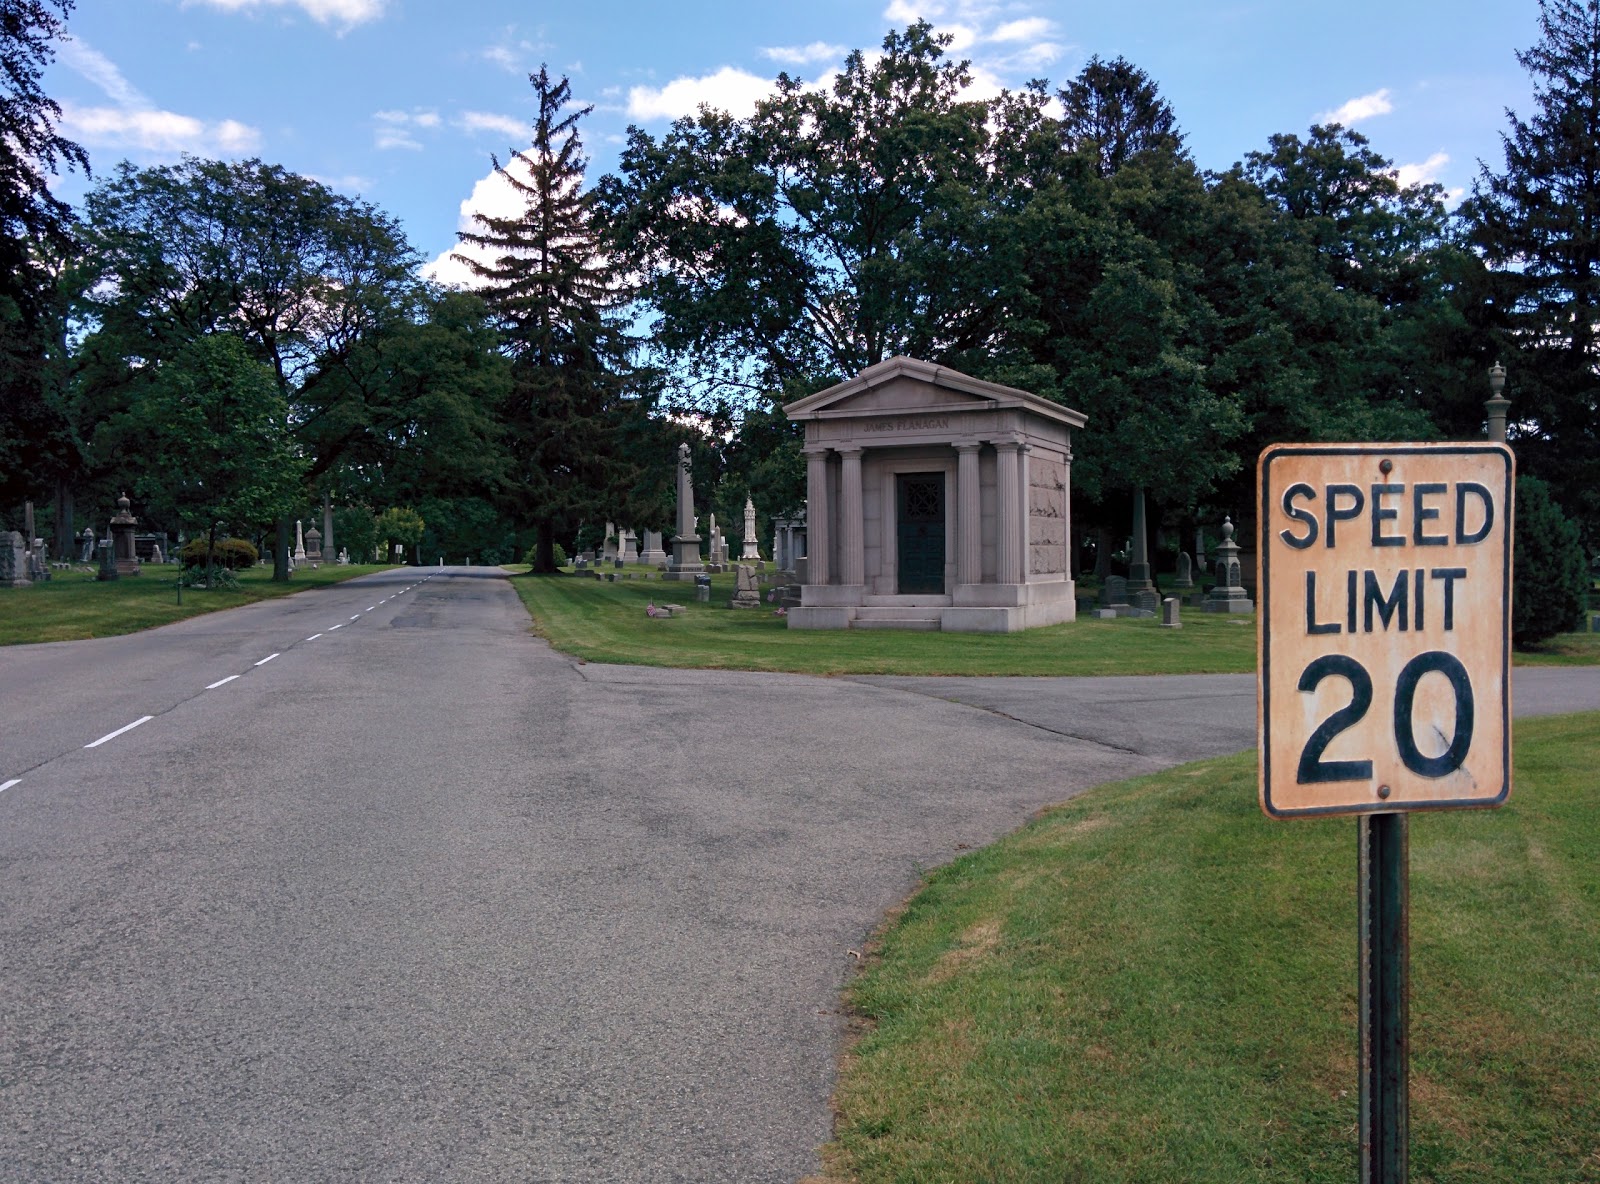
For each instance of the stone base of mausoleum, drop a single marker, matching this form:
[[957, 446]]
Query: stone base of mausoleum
[[973, 608]]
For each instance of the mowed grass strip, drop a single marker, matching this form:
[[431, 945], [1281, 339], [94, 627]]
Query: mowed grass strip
[[600, 621], [74, 606], [1154, 982]]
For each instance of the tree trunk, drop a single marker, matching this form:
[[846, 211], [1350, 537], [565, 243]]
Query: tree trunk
[[280, 554], [544, 556], [64, 536]]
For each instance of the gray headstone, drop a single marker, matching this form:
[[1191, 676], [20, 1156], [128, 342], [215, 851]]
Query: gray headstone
[[13, 561], [1185, 572], [1114, 591], [1146, 601], [1169, 614]]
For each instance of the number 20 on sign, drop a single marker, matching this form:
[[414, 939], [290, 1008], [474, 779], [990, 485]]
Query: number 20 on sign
[[1384, 627]]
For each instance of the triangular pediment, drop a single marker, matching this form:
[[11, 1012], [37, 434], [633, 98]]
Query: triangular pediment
[[907, 387]]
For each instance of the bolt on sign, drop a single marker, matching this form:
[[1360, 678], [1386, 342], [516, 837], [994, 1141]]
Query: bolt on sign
[[1384, 627]]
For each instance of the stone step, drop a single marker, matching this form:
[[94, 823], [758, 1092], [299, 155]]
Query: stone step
[[918, 624]]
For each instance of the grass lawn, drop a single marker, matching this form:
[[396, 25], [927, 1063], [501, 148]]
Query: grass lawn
[[606, 622], [1154, 982], [74, 605]]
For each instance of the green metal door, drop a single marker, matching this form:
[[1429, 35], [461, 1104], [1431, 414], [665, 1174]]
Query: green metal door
[[919, 506]]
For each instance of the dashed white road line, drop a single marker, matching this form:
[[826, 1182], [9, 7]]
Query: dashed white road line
[[314, 637], [220, 682], [340, 625], [370, 607], [143, 719], [5, 785], [267, 659], [357, 617]]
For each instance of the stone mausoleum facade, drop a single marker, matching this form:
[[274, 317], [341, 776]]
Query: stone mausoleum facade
[[935, 501]]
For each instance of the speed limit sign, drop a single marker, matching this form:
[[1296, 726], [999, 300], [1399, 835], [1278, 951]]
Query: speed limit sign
[[1384, 627]]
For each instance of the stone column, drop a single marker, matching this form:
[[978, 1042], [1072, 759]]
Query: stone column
[[299, 542], [969, 515], [852, 558], [1497, 404], [327, 526], [1008, 527], [818, 513], [1139, 561]]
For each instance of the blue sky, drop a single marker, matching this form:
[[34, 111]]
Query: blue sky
[[402, 101]]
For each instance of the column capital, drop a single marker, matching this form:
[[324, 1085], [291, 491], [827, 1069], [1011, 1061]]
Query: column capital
[[1009, 443], [969, 445], [816, 449], [849, 449]]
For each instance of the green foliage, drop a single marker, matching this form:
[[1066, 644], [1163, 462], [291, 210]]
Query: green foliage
[[229, 553], [214, 434], [554, 293], [214, 579], [557, 552], [1536, 222], [1550, 579], [355, 530], [399, 524]]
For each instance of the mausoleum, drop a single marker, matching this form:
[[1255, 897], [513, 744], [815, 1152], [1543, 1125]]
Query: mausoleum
[[935, 501]]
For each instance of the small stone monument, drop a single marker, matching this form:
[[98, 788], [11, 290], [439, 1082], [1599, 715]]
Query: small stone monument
[[314, 546], [13, 561], [299, 542], [630, 547], [750, 551], [652, 555], [86, 548], [1114, 593], [1229, 595], [156, 554], [1141, 588], [1199, 549], [108, 561], [702, 588], [609, 546], [123, 526], [746, 593], [344, 557], [1169, 613], [39, 562], [1185, 578]]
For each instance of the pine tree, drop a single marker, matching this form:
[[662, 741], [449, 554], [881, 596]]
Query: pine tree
[[1113, 111], [1537, 223], [555, 295]]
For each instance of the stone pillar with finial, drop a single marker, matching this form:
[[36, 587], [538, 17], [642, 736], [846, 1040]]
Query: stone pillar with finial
[[1229, 595], [123, 526], [1497, 404]]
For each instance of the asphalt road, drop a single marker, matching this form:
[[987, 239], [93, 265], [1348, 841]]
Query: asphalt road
[[419, 899]]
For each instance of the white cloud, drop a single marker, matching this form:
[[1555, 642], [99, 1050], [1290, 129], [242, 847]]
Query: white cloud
[[485, 121], [1422, 174], [137, 124], [101, 71], [729, 89], [494, 197], [394, 128], [324, 12], [503, 57], [804, 55], [1029, 29], [151, 130], [1354, 111]]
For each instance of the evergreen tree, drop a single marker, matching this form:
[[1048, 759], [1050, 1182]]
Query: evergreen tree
[[1112, 111], [555, 296], [1537, 224], [36, 235]]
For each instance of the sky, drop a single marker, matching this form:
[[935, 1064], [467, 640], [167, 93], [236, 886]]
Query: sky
[[402, 102]]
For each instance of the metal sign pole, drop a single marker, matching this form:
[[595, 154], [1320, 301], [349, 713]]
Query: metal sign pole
[[1384, 877]]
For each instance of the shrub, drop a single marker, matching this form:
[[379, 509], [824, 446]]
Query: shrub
[[556, 549], [1550, 581], [217, 579], [230, 553]]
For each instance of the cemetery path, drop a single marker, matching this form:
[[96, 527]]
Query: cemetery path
[[424, 900]]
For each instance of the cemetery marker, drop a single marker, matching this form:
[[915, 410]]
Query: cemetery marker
[[1383, 686]]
